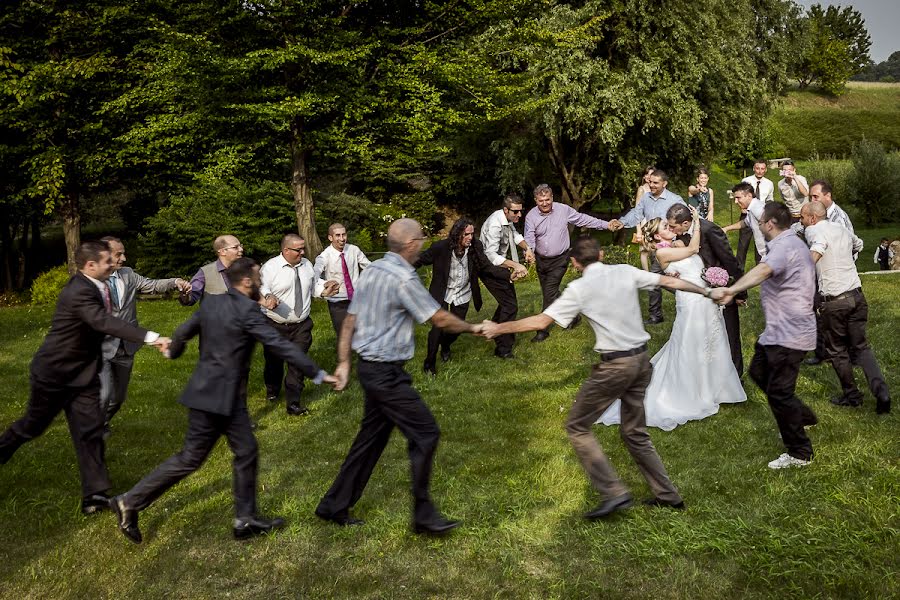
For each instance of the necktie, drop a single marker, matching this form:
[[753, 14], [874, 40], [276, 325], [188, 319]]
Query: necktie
[[106, 302], [757, 188], [512, 243], [113, 285], [298, 292], [347, 283]]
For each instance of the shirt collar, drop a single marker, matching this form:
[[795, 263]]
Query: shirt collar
[[398, 260]]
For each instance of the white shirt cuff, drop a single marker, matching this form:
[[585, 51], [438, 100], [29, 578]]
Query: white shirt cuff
[[150, 337]]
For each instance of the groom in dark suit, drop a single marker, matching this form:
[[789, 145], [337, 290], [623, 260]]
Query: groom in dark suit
[[715, 251], [65, 372], [229, 326], [458, 262]]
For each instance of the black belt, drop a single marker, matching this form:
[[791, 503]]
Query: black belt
[[847, 294], [605, 356], [395, 363]]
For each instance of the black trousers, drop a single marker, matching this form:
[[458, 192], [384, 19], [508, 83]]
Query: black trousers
[[504, 292], [775, 370], [338, 312], [820, 352], [550, 272], [745, 238], [733, 328], [204, 430], [390, 401], [844, 323], [437, 337], [301, 335], [114, 378], [85, 417], [654, 296]]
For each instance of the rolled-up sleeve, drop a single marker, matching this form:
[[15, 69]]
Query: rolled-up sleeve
[[490, 237]]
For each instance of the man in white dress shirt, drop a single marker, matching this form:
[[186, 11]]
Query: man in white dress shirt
[[288, 286], [764, 189], [844, 311], [499, 236], [751, 212], [340, 262], [794, 190]]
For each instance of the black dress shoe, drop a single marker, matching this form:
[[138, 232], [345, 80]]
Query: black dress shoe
[[844, 401], [506, 354], [657, 503], [609, 506], [342, 520], [94, 503], [883, 407], [446, 355], [540, 336], [272, 397], [429, 369], [438, 526], [653, 321], [246, 527], [296, 410], [127, 519], [813, 360], [574, 322]]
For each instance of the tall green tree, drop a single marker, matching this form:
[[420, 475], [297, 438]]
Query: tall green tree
[[831, 44]]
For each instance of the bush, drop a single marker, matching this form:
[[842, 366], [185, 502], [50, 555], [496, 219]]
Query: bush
[[874, 183], [834, 171], [48, 285]]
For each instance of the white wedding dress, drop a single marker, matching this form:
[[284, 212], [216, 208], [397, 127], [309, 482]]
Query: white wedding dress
[[692, 372]]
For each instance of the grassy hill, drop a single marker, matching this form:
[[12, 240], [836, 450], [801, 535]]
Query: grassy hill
[[810, 123]]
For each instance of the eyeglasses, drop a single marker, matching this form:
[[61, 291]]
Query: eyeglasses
[[297, 250], [416, 239], [235, 247], [515, 212]]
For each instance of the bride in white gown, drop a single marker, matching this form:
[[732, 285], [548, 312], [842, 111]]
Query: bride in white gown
[[693, 372]]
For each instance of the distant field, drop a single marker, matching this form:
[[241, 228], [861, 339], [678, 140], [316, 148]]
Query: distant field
[[810, 123]]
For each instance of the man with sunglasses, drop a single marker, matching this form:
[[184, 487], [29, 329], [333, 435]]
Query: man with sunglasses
[[210, 279], [289, 283], [499, 236]]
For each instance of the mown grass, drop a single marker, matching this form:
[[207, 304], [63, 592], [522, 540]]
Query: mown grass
[[810, 123], [504, 466]]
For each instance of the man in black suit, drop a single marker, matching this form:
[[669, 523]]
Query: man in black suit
[[229, 325], [458, 262], [715, 252], [65, 372]]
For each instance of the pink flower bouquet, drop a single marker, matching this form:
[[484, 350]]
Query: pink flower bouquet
[[716, 276]]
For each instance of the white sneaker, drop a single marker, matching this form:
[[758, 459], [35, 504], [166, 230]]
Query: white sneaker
[[786, 460]]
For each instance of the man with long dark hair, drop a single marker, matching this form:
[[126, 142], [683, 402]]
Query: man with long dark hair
[[458, 261]]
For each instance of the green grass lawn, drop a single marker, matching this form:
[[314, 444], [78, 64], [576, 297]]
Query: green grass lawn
[[504, 467]]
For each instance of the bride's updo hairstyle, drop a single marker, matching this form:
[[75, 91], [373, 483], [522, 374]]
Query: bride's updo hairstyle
[[649, 230], [586, 250]]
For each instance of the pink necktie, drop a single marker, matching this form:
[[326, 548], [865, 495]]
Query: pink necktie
[[106, 301], [347, 283]]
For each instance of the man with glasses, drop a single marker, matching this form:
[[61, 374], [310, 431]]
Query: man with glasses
[[288, 286], [210, 279], [499, 236]]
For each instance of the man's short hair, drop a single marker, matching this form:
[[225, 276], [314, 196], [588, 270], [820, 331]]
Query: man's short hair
[[221, 242], [89, 251], [760, 161], [111, 238], [586, 250], [679, 212], [543, 190], [743, 187], [242, 267], [660, 173], [778, 212], [334, 226], [885, 240], [288, 238], [826, 187], [510, 199], [787, 163]]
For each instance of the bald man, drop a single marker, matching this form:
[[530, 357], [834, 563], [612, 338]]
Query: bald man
[[210, 279], [844, 311], [389, 300]]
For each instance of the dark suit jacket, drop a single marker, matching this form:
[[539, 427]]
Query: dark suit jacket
[[70, 354], [438, 254], [715, 250], [229, 326]]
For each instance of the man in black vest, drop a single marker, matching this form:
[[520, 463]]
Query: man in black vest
[[458, 262], [216, 396], [65, 372]]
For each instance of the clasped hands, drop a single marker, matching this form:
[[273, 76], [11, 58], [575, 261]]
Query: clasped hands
[[615, 225]]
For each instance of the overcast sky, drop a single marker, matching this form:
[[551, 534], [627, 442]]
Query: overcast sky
[[882, 20]]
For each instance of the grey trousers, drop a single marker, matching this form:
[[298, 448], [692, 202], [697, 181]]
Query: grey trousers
[[114, 378], [626, 379]]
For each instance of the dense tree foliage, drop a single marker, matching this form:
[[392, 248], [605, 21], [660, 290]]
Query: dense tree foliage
[[832, 44], [887, 71]]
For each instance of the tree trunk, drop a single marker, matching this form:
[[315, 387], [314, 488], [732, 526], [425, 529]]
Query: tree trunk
[[33, 262], [571, 190], [71, 227], [303, 201]]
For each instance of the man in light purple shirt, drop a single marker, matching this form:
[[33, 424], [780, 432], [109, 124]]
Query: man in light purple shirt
[[547, 232], [788, 277]]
